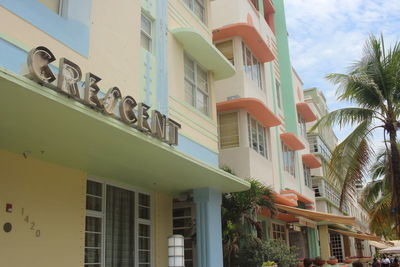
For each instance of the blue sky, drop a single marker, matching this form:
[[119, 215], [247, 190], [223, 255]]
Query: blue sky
[[326, 36]]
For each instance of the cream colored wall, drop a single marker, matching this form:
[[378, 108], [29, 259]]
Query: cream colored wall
[[195, 125], [53, 201], [163, 227], [113, 52]]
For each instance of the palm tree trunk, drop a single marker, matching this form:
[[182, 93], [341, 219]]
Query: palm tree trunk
[[395, 162]]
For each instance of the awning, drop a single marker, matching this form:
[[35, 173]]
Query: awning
[[311, 161], [379, 245], [63, 131], [392, 250], [305, 111], [356, 235], [255, 107], [294, 195], [204, 52], [249, 35], [292, 141], [318, 216]]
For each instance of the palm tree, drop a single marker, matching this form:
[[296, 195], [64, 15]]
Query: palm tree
[[377, 198], [241, 228], [373, 85]]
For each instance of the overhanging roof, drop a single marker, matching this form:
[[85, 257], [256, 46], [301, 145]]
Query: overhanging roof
[[318, 216], [204, 52], [305, 111], [283, 200], [255, 107], [378, 244], [311, 161], [70, 134], [356, 235], [249, 35], [291, 140]]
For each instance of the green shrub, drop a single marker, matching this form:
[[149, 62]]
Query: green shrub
[[281, 253]]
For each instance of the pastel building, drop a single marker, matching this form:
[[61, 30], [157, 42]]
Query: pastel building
[[336, 240], [262, 116], [109, 137]]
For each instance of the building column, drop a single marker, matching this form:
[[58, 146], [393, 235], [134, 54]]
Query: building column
[[208, 227], [324, 242]]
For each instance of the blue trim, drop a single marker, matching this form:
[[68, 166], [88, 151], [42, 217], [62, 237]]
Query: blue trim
[[197, 151], [161, 40], [11, 56], [72, 31]]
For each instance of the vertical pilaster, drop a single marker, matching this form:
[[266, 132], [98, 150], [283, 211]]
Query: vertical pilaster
[[285, 68], [208, 227], [324, 241]]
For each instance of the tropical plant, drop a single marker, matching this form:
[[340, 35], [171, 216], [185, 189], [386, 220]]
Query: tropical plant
[[373, 85], [377, 198], [242, 231], [278, 251]]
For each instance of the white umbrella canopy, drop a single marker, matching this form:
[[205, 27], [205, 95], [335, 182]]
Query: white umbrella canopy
[[392, 250]]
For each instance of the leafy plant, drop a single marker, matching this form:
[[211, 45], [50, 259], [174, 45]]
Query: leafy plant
[[279, 252]]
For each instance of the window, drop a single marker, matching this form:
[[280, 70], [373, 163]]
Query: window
[[228, 130], [255, 3], [307, 176], [288, 160], [278, 232], [257, 136], [196, 85], [251, 66], [146, 33], [53, 5], [198, 8], [184, 224], [278, 93], [302, 126], [226, 49], [116, 219]]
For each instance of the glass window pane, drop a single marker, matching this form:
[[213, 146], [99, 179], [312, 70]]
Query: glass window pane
[[144, 200], [189, 69], [144, 213], [189, 92], [254, 134], [228, 130], [248, 61], [146, 25], [201, 101], [92, 255], [144, 243], [94, 203], [254, 71], [93, 240], [93, 224], [261, 140], [144, 230], [145, 42], [202, 79], [94, 188], [144, 256], [198, 9]]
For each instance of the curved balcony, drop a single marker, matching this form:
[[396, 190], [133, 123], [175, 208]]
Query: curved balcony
[[291, 140], [305, 111], [204, 52], [249, 35], [311, 161], [255, 107]]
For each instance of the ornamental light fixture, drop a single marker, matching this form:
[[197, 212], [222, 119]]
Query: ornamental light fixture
[[176, 251]]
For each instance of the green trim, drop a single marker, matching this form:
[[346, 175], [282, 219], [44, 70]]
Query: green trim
[[313, 244], [203, 51], [191, 108]]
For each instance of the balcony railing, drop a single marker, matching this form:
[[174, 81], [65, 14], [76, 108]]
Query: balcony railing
[[323, 189], [318, 146]]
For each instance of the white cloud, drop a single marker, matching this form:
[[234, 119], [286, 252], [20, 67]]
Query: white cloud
[[327, 36]]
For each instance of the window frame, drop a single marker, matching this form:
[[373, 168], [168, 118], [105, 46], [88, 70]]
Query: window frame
[[255, 69], [302, 126], [202, 3], [60, 10], [102, 214], [277, 231], [147, 35], [307, 176], [289, 160], [195, 86], [265, 136]]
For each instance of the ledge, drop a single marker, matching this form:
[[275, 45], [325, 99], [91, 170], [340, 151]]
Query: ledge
[[311, 161], [255, 107], [291, 140], [305, 111], [249, 35], [204, 52]]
